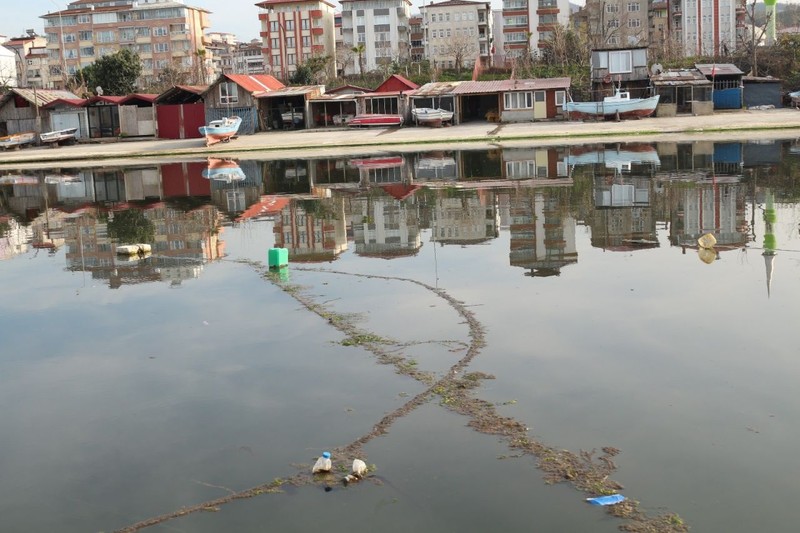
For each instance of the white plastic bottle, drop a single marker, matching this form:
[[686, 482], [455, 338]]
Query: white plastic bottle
[[323, 464]]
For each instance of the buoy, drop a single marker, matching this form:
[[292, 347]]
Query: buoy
[[323, 464]]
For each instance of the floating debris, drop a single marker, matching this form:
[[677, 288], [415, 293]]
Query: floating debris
[[323, 464], [611, 499]]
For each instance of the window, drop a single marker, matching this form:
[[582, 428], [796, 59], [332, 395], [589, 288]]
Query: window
[[306, 41], [613, 23], [304, 24], [274, 43], [177, 28], [634, 23], [633, 6], [84, 36], [69, 37], [612, 8], [561, 96], [441, 17], [289, 25], [457, 17], [143, 31], [362, 37], [83, 19], [105, 37], [518, 100], [161, 47], [290, 42], [228, 93], [104, 18], [87, 51], [126, 34], [273, 26], [160, 31], [276, 60], [290, 59], [619, 61]]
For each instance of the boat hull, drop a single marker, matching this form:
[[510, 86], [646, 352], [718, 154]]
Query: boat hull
[[59, 136], [10, 142], [376, 120], [222, 130], [426, 116], [639, 108]]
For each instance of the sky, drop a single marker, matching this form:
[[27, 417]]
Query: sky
[[239, 17]]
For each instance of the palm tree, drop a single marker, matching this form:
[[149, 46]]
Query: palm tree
[[359, 49]]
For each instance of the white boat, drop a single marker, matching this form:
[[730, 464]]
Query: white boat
[[620, 105], [221, 130], [620, 158], [428, 116], [68, 135], [226, 170]]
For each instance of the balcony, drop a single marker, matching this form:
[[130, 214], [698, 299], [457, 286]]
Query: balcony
[[317, 31], [317, 49], [263, 16], [315, 13]]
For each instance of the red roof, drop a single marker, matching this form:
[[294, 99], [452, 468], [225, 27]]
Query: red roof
[[400, 191], [255, 82], [396, 82], [140, 96], [269, 205], [74, 102], [107, 99]]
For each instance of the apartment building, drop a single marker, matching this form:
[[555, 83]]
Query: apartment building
[[220, 48], [417, 36], [380, 28], [707, 27], [163, 32], [30, 57], [616, 23], [457, 32], [292, 31], [529, 24]]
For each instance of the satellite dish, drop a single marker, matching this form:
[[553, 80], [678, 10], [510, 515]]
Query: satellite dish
[[657, 68], [99, 90]]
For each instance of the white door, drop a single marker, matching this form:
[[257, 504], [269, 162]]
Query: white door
[[539, 105], [62, 121]]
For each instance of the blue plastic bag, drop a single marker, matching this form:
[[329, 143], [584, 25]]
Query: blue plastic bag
[[606, 500]]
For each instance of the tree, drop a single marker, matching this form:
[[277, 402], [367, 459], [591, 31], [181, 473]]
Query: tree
[[115, 73], [460, 47], [757, 31], [313, 70], [170, 76], [359, 50], [131, 226]]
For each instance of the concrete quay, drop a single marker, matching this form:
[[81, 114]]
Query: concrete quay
[[728, 125]]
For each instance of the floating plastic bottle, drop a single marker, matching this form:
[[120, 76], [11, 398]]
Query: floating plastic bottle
[[359, 468], [323, 464]]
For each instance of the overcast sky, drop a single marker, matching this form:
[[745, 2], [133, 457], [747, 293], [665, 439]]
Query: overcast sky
[[239, 17]]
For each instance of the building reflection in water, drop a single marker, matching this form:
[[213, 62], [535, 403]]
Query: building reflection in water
[[626, 193]]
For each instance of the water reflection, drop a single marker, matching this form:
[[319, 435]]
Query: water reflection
[[625, 194]]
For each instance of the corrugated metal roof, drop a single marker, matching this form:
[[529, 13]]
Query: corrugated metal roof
[[503, 86], [267, 3], [335, 97], [290, 91], [255, 82], [679, 77], [74, 102], [42, 97], [719, 69]]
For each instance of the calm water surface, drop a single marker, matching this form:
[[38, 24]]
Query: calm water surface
[[131, 386]]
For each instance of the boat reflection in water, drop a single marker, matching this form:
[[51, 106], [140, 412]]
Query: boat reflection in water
[[226, 170]]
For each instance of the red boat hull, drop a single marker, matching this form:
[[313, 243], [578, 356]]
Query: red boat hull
[[376, 120]]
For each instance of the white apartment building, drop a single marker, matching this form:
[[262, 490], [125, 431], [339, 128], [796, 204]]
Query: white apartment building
[[31, 59], [528, 24], [163, 32], [292, 31], [708, 27], [457, 32], [380, 27]]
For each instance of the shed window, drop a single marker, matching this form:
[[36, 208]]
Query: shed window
[[619, 61], [228, 93], [520, 100]]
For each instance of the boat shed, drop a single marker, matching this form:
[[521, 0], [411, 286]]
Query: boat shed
[[333, 109], [180, 112], [681, 92], [496, 101], [396, 83], [68, 113], [233, 94], [762, 91], [727, 80], [23, 110], [288, 107]]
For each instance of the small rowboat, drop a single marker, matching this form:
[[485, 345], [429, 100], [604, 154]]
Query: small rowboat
[[54, 138], [376, 119], [427, 116], [17, 140]]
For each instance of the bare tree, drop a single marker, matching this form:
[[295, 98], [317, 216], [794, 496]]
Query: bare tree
[[608, 23], [757, 31], [460, 47]]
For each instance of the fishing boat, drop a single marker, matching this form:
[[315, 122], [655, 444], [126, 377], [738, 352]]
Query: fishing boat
[[221, 130], [54, 138], [226, 170], [376, 119], [17, 140], [620, 105], [428, 116]]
